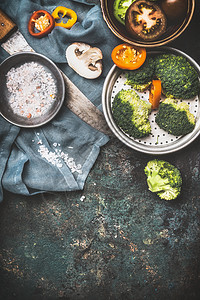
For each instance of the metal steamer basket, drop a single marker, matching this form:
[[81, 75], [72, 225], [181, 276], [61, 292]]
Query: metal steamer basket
[[159, 141]]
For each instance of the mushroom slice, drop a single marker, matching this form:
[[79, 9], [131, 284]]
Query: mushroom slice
[[85, 60]]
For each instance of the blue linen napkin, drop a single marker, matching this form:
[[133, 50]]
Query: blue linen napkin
[[59, 155]]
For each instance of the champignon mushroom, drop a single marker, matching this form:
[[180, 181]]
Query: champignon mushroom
[[85, 60]]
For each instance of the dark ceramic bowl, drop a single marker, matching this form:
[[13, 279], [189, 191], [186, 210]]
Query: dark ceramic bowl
[[171, 33]]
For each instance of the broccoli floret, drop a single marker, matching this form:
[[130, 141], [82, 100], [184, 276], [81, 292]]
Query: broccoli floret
[[179, 79], [140, 87], [140, 79], [164, 179], [131, 113], [175, 117]]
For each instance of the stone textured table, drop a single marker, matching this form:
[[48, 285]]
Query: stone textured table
[[113, 240]]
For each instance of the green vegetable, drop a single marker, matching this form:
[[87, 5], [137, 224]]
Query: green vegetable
[[164, 179], [119, 9], [175, 117], [140, 79], [179, 79], [131, 113]]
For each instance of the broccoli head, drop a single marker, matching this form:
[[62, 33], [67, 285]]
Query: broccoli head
[[175, 117], [131, 113], [179, 79], [140, 79], [164, 179]]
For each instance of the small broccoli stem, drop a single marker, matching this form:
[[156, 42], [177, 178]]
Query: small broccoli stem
[[169, 194], [157, 183], [164, 179]]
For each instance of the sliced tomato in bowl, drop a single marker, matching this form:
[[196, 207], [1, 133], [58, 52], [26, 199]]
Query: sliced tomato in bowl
[[145, 20]]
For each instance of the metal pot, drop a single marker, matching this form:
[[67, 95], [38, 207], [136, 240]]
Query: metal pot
[[17, 60]]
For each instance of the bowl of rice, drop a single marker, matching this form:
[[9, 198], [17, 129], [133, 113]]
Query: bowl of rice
[[32, 89]]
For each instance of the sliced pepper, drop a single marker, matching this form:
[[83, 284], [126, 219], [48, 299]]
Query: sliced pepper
[[128, 57], [65, 12], [155, 93], [40, 23]]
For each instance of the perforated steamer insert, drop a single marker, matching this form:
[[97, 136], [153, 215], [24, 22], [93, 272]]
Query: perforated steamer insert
[[159, 141]]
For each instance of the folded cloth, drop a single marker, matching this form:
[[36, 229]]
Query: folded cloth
[[59, 155]]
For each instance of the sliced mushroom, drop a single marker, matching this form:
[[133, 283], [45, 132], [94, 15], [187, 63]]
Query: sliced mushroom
[[85, 60]]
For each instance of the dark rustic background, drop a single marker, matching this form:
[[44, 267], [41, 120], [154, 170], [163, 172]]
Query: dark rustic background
[[115, 239]]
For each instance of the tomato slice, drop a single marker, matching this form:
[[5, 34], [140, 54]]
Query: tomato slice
[[155, 93], [128, 57], [145, 20]]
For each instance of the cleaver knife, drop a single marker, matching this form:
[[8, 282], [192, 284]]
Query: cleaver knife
[[12, 41]]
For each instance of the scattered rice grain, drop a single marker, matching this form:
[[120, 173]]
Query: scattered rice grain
[[58, 158], [82, 198]]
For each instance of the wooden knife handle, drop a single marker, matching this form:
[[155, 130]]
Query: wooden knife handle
[[7, 27]]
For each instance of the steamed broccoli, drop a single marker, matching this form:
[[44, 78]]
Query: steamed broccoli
[[179, 79], [175, 117], [131, 113], [163, 178], [140, 79]]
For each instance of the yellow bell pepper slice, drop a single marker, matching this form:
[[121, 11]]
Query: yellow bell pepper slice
[[65, 12]]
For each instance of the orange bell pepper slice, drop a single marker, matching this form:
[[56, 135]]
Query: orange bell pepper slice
[[155, 93], [65, 12], [42, 21], [128, 57]]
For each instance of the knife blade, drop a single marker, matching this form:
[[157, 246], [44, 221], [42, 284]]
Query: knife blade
[[12, 41]]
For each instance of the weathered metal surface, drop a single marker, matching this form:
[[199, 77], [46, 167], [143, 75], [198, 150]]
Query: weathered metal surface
[[115, 239]]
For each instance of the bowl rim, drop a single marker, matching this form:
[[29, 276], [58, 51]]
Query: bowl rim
[[152, 44]]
